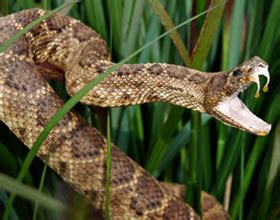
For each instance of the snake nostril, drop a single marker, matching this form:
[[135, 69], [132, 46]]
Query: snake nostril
[[262, 65]]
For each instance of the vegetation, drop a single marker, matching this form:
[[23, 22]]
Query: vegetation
[[173, 144]]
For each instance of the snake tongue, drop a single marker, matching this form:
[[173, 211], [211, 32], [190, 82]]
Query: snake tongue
[[234, 113]]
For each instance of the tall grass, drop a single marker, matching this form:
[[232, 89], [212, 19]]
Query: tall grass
[[175, 144]]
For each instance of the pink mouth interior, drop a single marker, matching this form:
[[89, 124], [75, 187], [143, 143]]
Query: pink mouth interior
[[238, 115]]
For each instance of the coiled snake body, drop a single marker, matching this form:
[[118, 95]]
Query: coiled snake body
[[78, 151]]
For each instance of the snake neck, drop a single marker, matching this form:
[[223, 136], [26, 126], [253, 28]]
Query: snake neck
[[139, 83]]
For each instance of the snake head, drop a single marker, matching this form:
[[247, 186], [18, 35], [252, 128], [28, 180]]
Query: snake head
[[222, 102]]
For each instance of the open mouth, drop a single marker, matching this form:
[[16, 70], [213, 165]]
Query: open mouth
[[233, 111]]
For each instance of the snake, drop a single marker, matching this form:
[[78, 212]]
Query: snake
[[76, 150]]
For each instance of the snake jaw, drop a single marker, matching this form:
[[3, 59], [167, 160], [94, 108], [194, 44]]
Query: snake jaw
[[234, 112], [231, 110]]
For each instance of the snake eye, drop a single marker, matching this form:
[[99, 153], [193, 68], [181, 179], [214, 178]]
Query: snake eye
[[237, 72]]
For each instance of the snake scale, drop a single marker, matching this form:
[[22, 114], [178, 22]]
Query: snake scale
[[76, 150]]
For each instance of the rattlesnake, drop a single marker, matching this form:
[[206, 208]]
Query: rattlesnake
[[77, 151]]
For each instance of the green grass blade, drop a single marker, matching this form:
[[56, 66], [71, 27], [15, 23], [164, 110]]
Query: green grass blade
[[273, 171], [29, 193], [207, 165], [136, 132], [9, 162], [108, 169], [174, 147], [45, 4], [222, 135], [242, 162], [207, 34], [268, 39], [235, 38], [153, 52], [168, 24], [228, 162], [126, 19], [22, 4], [115, 13], [178, 142], [255, 13], [40, 190], [160, 146], [131, 44], [123, 128], [3, 200], [193, 181], [94, 11], [159, 115]]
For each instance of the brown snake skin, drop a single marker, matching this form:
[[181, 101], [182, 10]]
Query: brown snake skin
[[77, 151]]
